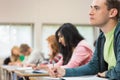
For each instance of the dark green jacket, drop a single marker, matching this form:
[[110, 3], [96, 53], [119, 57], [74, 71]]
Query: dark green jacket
[[97, 64]]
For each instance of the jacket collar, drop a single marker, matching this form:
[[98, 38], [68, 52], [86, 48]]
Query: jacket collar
[[117, 30]]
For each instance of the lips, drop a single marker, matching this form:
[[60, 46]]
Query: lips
[[91, 18]]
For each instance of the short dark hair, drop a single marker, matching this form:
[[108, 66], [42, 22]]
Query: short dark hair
[[114, 4], [24, 48]]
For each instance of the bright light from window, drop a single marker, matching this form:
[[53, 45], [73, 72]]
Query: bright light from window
[[11, 35]]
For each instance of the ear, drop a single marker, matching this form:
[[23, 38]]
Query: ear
[[113, 12]]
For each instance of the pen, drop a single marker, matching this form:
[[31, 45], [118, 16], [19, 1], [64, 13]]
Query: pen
[[37, 62], [53, 63]]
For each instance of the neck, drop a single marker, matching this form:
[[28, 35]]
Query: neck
[[108, 26]]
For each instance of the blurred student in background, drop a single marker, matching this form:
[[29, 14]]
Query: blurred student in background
[[14, 59], [32, 57], [25, 51], [54, 53]]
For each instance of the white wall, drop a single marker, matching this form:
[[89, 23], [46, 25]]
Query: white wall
[[44, 11]]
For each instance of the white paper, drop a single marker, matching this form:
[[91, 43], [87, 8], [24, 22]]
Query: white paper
[[76, 78], [85, 78], [24, 68], [40, 71], [50, 78]]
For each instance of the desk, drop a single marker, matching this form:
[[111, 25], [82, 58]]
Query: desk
[[7, 73], [28, 73]]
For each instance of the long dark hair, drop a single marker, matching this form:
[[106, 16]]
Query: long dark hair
[[71, 37]]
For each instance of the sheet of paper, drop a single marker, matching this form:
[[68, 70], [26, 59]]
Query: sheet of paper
[[76, 78], [40, 71], [24, 68], [85, 78], [50, 78]]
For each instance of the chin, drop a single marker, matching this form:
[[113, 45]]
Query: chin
[[93, 24]]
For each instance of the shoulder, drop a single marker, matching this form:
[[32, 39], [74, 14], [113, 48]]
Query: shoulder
[[8, 58], [83, 43], [36, 53]]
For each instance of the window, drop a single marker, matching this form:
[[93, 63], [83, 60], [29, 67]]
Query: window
[[88, 33], [14, 34], [47, 30]]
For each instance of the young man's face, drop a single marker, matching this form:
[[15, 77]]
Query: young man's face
[[99, 14]]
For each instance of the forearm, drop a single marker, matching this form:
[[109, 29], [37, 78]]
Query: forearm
[[81, 71]]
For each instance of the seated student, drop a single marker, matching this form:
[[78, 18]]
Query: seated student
[[54, 54], [26, 51], [14, 59], [31, 57], [54, 49], [106, 60], [74, 49]]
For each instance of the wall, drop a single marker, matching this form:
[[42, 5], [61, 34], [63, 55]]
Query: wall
[[44, 11]]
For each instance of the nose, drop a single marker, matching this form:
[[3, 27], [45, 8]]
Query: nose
[[59, 40], [91, 11]]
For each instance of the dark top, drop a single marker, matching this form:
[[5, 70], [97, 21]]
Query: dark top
[[7, 61]]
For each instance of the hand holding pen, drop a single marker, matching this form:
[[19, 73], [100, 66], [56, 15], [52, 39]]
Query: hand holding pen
[[56, 71]]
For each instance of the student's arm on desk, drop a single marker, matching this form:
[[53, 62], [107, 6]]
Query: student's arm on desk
[[90, 68]]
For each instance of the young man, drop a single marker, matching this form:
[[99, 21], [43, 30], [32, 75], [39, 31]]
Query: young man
[[106, 60]]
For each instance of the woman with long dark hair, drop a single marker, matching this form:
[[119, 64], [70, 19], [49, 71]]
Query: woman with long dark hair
[[73, 47]]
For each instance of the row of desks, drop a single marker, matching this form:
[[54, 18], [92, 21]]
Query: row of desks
[[8, 73], [13, 72]]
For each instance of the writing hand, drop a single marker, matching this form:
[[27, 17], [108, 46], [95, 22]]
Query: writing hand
[[101, 74], [56, 72]]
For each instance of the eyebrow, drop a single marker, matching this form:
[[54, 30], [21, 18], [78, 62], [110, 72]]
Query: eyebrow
[[95, 6]]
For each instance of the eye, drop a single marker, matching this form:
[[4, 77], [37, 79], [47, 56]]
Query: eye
[[60, 36], [96, 8]]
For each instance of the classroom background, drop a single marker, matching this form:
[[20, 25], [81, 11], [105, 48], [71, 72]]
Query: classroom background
[[32, 21]]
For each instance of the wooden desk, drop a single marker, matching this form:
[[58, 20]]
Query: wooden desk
[[9, 71], [28, 73]]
